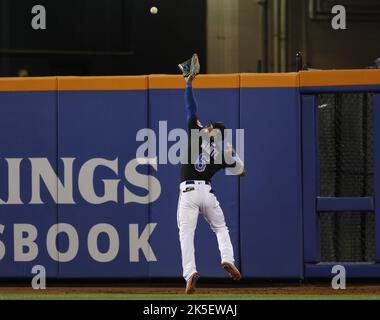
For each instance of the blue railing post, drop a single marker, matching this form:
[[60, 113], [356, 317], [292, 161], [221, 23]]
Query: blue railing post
[[376, 164], [310, 179]]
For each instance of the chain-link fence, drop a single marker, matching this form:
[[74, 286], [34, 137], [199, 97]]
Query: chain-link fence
[[346, 170]]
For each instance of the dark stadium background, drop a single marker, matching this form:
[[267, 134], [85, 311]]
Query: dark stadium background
[[121, 37], [100, 37]]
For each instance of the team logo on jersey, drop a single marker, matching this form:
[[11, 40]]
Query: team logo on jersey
[[201, 163]]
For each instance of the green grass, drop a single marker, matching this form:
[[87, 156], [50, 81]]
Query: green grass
[[121, 296]]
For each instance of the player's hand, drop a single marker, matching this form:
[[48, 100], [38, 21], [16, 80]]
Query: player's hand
[[230, 151]]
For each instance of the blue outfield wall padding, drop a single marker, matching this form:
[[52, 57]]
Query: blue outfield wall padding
[[332, 89], [270, 194], [103, 125], [27, 130], [117, 218], [166, 105], [345, 204], [353, 270], [216, 105]]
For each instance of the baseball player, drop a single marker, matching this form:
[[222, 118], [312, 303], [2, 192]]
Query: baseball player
[[196, 195]]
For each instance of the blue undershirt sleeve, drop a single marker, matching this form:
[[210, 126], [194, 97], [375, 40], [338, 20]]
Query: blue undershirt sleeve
[[190, 104]]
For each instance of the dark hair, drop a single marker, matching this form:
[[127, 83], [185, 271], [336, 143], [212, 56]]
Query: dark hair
[[220, 126]]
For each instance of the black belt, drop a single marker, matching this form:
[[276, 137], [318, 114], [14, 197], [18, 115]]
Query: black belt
[[193, 182]]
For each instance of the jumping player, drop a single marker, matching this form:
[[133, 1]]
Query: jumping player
[[196, 195]]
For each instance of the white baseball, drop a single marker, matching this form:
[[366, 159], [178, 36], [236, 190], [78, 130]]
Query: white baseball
[[153, 10]]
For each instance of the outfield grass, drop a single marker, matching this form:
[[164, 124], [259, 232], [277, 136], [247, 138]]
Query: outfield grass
[[121, 296]]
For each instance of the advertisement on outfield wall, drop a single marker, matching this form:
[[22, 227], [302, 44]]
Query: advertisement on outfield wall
[[76, 198], [90, 178]]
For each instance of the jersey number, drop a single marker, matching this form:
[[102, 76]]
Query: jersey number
[[201, 163]]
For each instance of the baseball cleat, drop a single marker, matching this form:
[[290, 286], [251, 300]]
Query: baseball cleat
[[191, 283], [190, 68], [232, 270]]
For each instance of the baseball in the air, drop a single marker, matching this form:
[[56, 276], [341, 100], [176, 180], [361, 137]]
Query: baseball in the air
[[153, 10]]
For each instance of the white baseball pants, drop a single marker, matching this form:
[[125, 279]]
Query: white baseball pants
[[190, 204]]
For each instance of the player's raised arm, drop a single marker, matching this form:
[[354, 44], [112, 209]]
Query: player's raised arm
[[190, 103], [190, 69]]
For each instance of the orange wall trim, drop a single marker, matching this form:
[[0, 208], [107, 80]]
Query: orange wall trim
[[28, 84], [339, 78], [324, 78], [102, 83], [201, 82], [260, 80]]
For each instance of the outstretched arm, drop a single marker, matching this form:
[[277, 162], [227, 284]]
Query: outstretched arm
[[240, 168], [238, 165], [190, 104]]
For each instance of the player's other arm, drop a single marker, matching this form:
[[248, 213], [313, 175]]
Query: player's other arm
[[237, 167]]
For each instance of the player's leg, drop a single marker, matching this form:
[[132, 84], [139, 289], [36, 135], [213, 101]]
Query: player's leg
[[213, 213], [187, 217]]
